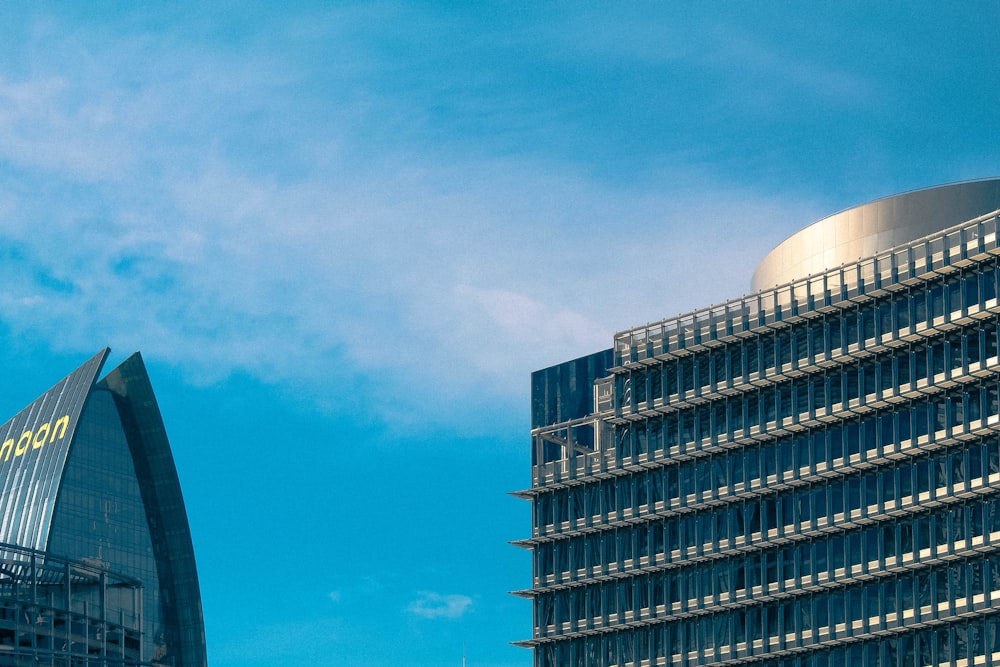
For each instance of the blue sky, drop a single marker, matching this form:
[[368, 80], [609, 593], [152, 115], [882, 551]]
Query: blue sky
[[343, 235]]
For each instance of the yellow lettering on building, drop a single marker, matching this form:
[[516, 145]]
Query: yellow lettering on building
[[45, 434], [64, 422], [25, 439], [40, 435]]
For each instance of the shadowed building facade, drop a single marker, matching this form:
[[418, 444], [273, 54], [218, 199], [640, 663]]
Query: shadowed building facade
[[96, 562], [807, 476]]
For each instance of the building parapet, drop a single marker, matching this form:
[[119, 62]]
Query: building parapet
[[935, 254]]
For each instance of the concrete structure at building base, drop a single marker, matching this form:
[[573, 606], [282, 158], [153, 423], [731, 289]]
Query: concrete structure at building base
[[96, 563], [808, 476]]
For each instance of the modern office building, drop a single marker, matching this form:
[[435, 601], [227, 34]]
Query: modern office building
[[96, 563], [806, 476]]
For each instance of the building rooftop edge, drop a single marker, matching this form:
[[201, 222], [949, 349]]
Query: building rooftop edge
[[784, 290]]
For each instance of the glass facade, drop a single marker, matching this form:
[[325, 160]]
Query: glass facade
[[800, 477], [113, 582]]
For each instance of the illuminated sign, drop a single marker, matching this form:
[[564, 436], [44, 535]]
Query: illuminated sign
[[37, 439]]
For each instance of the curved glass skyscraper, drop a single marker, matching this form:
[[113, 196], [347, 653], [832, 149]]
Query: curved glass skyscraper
[[96, 562], [806, 477]]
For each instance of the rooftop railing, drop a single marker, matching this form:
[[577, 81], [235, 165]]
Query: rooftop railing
[[924, 258]]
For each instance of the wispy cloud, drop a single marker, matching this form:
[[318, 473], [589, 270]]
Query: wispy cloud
[[773, 70], [431, 605], [196, 213]]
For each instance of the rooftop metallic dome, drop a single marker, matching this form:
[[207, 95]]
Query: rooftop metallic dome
[[874, 227]]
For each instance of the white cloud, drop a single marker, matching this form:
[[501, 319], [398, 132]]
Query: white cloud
[[431, 605], [148, 210]]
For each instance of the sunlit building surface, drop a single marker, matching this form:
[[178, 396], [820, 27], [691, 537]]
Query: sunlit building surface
[[96, 562], [807, 476]]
